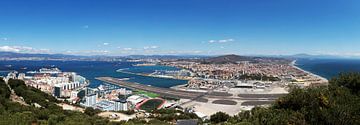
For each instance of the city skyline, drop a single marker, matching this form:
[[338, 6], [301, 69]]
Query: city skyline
[[162, 27]]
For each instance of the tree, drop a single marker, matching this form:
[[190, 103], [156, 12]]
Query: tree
[[91, 111], [15, 113], [348, 80], [219, 117]]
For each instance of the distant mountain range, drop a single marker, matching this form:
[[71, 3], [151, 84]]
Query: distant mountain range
[[309, 56], [215, 59], [233, 59], [167, 56], [29, 56], [227, 59], [24, 55]]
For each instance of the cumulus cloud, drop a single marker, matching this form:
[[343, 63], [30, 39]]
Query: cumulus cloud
[[221, 41], [23, 49], [105, 44]]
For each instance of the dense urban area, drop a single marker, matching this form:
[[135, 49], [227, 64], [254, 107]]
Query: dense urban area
[[337, 103], [222, 90]]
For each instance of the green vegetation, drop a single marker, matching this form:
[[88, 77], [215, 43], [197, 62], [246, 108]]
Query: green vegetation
[[12, 113], [348, 80], [172, 115], [91, 111], [32, 95], [219, 117], [128, 112], [338, 103], [151, 104], [258, 77], [144, 122], [149, 94]]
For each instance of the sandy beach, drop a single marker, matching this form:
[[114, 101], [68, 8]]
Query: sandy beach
[[323, 80]]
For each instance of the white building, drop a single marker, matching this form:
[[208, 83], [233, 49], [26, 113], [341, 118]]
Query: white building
[[21, 76], [135, 99], [90, 100], [202, 116], [121, 105], [74, 94]]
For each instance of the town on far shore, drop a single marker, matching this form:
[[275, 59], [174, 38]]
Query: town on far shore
[[228, 83]]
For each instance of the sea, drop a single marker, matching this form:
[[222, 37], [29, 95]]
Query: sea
[[326, 68], [329, 68], [92, 69]]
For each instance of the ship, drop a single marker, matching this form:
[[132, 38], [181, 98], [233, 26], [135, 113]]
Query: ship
[[145, 64], [46, 70], [50, 70]]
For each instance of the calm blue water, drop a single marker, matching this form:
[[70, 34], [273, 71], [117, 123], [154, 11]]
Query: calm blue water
[[91, 69], [329, 68]]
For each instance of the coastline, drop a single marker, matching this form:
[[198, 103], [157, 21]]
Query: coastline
[[323, 80]]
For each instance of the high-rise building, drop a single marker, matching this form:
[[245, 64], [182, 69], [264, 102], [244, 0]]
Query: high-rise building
[[121, 105], [57, 91], [21, 76], [90, 100]]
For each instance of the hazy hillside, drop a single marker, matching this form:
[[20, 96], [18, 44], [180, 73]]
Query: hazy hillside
[[232, 59]]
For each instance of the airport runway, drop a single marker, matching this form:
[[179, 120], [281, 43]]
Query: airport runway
[[186, 94], [158, 90]]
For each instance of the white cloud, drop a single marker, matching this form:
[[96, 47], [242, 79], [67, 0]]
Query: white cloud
[[23, 49], [105, 44], [221, 41], [127, 49], [99, 52], [184, 52], [212, 41], [226, 40], [8, 49], [88, 52], [151, 47]]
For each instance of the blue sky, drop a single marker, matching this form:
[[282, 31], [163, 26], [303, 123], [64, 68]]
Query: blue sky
[[209, 27]]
